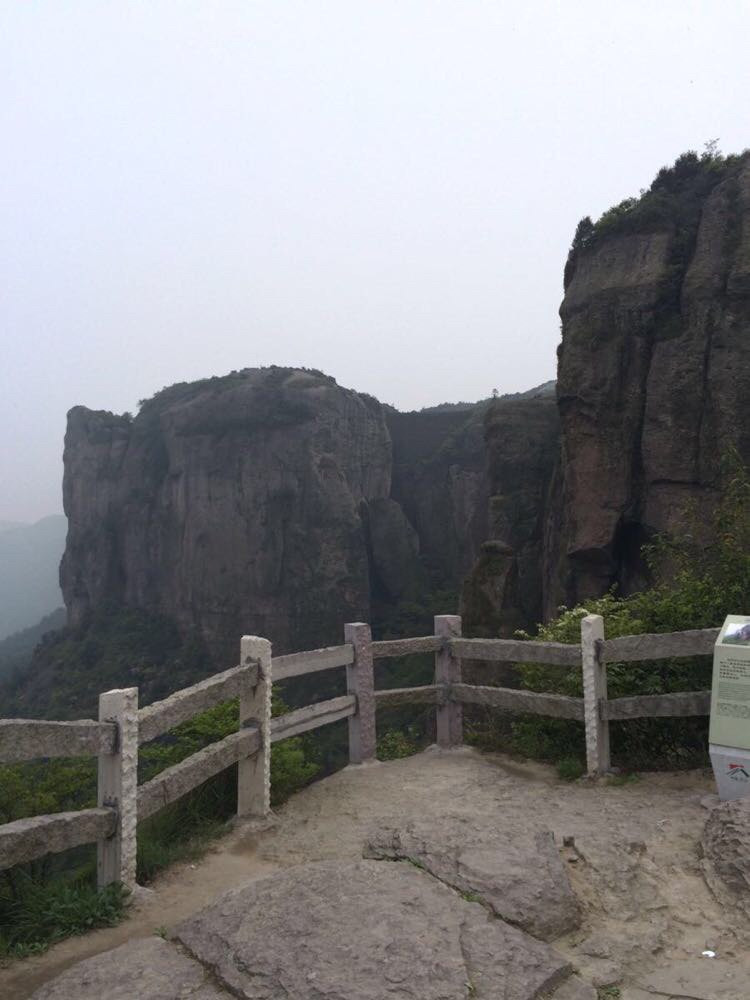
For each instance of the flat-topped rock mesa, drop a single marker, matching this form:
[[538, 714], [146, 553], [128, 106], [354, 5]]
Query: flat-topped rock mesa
[[653, 372], [233, 505], [270, 501]]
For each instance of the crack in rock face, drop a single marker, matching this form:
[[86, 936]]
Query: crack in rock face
[[520, 878], [326, 930]]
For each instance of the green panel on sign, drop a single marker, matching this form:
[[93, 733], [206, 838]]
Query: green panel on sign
[[730, 690]]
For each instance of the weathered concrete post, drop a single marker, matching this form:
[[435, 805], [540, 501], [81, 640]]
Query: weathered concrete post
[[360, 681], [254, 773], [594, 692], [450, 724], [118, 788]]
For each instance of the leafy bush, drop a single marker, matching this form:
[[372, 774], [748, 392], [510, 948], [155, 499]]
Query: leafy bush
[[395, 744], [570, 768]]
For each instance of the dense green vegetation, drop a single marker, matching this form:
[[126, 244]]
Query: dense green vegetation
[[673, 202], [695, 586], [179, 832]]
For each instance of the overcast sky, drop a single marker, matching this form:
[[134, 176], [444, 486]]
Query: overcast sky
[[382, 190]]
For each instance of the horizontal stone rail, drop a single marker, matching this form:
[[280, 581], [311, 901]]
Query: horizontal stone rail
[[296, 664], [557, 654], [558, 706], [660, 645], [301, 720], [29, 739], [658, 706], [176, 781], [429, 694], [33, 837], [159, 717], [121, 728], [405, 647]]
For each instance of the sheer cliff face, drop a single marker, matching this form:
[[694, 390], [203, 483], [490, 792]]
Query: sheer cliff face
[[504, 590], [234, 505], [263, 503], [653, 387], [440, 481]]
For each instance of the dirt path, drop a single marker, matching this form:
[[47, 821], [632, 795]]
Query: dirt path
[[635, 864]]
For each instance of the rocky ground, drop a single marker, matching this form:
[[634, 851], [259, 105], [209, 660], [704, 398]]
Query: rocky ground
[[481, 878]]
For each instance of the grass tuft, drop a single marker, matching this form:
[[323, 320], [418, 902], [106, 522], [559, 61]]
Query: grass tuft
[[34, 914]]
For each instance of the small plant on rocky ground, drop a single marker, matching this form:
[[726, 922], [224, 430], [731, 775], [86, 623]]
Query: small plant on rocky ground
[[609, 993], [394, 745], [570, 768]]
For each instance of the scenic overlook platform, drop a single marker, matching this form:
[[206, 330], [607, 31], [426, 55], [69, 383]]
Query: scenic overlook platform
[[624, 902], [447, 874]]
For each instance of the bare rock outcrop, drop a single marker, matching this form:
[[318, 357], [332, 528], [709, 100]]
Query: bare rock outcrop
[[521, 879], [365, 930], [653, 374], [149, 969], [233, 505]]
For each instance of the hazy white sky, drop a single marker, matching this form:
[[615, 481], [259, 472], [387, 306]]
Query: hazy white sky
[[382, 189]]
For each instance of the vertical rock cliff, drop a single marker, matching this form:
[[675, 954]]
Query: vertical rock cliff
[[654, 372], [276, 502], [504, 590], [234, 505]]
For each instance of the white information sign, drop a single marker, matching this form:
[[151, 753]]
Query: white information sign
[[729, 731]]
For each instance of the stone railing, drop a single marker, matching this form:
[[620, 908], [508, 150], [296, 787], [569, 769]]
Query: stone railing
[[122, 727]]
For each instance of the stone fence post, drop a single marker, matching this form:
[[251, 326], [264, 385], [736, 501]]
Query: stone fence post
[[254, 773], [118, 788], [360, 681], [594, 694], [450, 728]]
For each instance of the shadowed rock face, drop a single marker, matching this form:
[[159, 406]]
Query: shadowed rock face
[[233, 505], [440, 481], [504, 590], [653, 384]]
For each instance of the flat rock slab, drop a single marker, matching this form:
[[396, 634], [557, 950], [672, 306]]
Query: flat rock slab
[[521, 878], [149, 969], [697, 979], [365, 930]]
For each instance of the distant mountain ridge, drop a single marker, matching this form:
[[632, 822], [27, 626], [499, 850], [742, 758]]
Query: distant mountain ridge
[[17, 649], [29, 571]]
